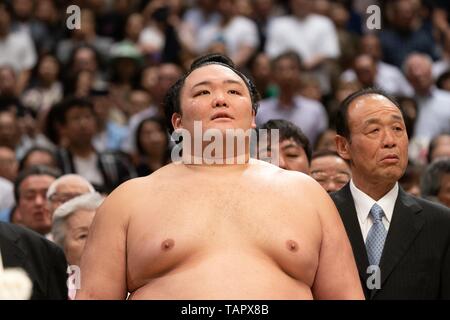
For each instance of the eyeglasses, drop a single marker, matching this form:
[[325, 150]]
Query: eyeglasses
[[63, 197], [340, 178]]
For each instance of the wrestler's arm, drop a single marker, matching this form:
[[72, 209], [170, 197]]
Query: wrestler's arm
[[337, 276], [103, 264]]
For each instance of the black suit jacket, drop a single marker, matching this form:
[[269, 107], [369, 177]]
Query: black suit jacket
[[415, 263], [43, 260]]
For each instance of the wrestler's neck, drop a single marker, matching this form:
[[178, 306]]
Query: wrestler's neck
[[213, 162]]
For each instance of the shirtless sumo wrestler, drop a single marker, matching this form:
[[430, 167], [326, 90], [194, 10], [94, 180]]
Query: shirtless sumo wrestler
[[240, 231]]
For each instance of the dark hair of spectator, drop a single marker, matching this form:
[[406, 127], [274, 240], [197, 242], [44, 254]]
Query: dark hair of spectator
[[326, 153], [12, 104], [70, 103], [35, 149], [342, 127], [433, 144], [288, 130], [432, 178], [172, 103], [290, 54], [442, 78], [33, 171]]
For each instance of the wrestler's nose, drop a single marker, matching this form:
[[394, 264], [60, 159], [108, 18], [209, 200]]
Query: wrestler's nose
[[219, 100]]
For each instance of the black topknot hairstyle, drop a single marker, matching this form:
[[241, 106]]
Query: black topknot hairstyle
[[172, 99]]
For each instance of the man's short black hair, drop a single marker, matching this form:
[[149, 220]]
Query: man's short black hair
[[39, 170], [69, 103], [289, 54], [342, 127], [172, 103], [32, 150], [288, 130]]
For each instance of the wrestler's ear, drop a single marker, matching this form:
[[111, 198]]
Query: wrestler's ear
[[342, 147], [253, 119], [176, 120]]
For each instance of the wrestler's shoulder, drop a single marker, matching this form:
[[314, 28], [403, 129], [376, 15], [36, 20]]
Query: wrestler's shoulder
[[270, 171]]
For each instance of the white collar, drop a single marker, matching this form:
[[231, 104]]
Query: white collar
[[363, 203]]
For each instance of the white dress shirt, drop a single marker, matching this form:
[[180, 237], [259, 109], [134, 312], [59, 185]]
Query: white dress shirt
[[363, 204]]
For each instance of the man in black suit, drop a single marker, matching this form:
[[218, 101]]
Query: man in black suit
[[43, 261], [401, 243]]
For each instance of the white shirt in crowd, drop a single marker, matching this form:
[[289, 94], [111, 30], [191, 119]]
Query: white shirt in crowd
[[17, 50], [240, 31], [87, 167], [363, 204], [388, 77], [314, 35]]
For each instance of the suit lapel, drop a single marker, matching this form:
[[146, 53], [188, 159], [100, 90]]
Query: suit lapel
[[405, 226], [346, 206], [12, 254]]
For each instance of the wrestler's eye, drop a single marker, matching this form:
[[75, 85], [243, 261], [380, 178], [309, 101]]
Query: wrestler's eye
[[201, 93], [234, 92]]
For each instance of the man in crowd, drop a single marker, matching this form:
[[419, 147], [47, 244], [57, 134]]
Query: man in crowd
[[330, 170], [294, 150], [401, 243]]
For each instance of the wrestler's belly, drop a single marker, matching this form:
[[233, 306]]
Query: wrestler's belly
[[224, 276]]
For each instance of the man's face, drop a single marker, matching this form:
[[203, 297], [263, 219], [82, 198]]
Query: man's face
[[378, 145], [80, 125], [291, 155], [8, 164], [32, 207], [419, 73], [286, 73], [331, 172], [444, 191], [365, 70], [65, 191], [217, 97], [9, 129], [77, 229]]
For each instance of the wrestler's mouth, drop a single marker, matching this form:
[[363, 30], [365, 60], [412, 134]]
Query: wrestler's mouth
[[221, 115]]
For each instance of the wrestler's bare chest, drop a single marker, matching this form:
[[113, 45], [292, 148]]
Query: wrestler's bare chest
[[221, 226]]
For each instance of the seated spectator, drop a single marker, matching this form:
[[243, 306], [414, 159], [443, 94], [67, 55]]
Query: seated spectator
[[77, 123], [325, 141], [387, 76], [45, 89], [110, 135], [330, 170], [435, 183], [65, 188], [71, 223], [309, 115], [439, 147], [313, 37], [17, 49], [261, 73], [8, 164], [238, 34], [405, 33], [30, 189], [432, 118], [443, 82], [38, 156], [294, 149], [410, 181], [152, 144]]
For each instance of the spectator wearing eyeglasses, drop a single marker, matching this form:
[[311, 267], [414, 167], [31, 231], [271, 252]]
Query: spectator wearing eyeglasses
[[66, 188], [330, 170]]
